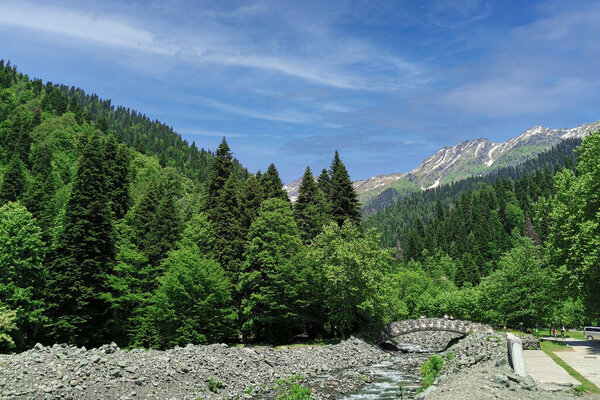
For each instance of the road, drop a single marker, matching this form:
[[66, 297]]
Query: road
[[544, 370], [585, 358]]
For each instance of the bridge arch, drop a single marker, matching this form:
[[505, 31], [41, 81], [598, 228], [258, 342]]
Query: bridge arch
[[398, 328]]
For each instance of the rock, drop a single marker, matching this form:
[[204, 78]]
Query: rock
[[95, 358], [528, 383], [426, 392], [501, 379], [38, 347], [115, 373]]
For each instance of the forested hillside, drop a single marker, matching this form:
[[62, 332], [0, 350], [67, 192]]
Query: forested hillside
[[517, 247], [399, 215], [112, 228]]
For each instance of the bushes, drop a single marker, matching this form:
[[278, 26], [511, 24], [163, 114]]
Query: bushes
[[430, 370]]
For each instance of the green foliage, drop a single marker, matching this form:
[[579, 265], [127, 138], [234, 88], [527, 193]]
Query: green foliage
[[226, 219], [574, 227], [341, 195], [430, 370], [214, 385], [7, 325], [84, 256], [13, 184], [310, 209], [192, 303], [290, 389], [272, 185], [355, 275], [268, 281], [22, 273], [520, 291], [251, 196]]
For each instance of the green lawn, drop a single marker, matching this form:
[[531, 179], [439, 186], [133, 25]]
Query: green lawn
[[551, 347], [568, 334]]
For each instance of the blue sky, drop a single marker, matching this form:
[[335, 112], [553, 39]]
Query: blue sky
[[386, 83]]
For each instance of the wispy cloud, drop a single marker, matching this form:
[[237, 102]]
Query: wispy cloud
[[106, 30], [213, 133], [291, 116], [350, 66]]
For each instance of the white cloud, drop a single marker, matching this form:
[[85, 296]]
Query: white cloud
[[213, 133], [100, 29], [328, 60], [290, 116]]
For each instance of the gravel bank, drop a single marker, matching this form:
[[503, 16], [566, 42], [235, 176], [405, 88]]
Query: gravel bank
[[67, 372], [478, 369]]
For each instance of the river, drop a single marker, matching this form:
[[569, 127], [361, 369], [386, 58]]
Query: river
[[389, 380]]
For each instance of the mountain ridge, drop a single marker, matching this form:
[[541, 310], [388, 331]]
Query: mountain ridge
[[465, 159]]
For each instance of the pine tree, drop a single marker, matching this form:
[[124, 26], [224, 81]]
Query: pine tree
[[48, 209], [271, 182], [268, 280], [144, 216], [219, 171], [85, 255], [164, 231], [250, 198], [342, 196], [226, 218], [324, 182], [23, 146], [310, 209], [13, 184], [117, 160], [42, 162]]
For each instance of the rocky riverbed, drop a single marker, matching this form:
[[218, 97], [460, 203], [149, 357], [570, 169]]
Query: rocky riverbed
[[206, 372], [475, 368]]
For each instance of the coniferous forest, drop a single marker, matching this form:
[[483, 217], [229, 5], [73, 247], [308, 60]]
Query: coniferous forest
[[113, 228]]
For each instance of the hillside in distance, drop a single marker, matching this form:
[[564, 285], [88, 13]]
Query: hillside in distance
[[466, 159]]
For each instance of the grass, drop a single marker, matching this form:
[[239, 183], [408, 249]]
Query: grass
[[555, 347], [313, 342], [550, 348]]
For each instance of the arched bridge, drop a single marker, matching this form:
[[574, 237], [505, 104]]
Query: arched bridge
[[398, 328]]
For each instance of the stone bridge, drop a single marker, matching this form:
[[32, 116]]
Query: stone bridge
[[427, 334], [398, 328]]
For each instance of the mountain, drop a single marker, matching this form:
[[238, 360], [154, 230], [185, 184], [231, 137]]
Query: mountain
[[468, 158]]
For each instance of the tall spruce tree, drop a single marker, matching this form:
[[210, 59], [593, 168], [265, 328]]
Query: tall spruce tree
[[271, 182], [42, 161], [84, 256], [341, 194], [13, 184], [144, 216], [117, 175], [310, 210], [250, 198], [324, 182], [164, 231], [226, 220], [218, 172], [269, 280]]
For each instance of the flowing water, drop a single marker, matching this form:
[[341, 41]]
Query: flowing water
[[388, 382]]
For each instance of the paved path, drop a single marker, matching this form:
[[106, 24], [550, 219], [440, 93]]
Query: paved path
[[543, 369], [585, 358]]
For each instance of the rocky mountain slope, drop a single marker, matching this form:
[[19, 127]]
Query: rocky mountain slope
[[468, 158]]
